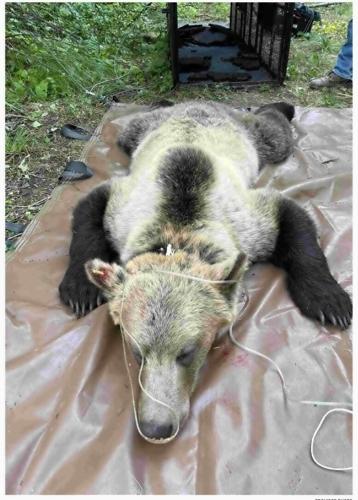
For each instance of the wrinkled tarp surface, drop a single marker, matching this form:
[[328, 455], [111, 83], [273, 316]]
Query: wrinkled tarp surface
[[70, 426]]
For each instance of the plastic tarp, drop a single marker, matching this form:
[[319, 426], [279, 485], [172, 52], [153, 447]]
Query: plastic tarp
[[69, 420]]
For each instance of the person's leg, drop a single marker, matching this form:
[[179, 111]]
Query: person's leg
[[344, 64], [342, 72]]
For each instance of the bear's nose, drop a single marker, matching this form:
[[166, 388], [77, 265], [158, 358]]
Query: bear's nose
[[156, 431]]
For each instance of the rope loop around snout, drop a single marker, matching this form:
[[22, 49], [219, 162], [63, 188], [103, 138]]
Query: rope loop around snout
[[150, 440]]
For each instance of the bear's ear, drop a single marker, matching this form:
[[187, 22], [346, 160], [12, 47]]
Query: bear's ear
[[104, 275], [232, 272], [238, 268], [229, 269]]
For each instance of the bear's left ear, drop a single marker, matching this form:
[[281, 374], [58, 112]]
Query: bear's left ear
[[104, 275], [238, 268], [232, 272], [229, 269]]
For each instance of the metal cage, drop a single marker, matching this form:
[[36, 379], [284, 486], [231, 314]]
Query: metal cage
[[261, 30]]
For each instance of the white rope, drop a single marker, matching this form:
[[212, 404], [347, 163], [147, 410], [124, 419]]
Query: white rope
[[259, 354], [305, 402], [334, 410], [196, 278]]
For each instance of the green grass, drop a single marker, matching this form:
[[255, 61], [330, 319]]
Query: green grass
[[64, 49], [19, 142], [196, 12]]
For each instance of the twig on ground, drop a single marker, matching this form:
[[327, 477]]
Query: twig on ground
[[35, 203], [14, 236], [14, 115], [328, 4], [344, 94], [101, 83]]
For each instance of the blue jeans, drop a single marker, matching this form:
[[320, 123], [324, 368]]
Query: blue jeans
[[344, 63]]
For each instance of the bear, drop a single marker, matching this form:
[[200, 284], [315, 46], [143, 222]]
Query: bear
[[168, 245]]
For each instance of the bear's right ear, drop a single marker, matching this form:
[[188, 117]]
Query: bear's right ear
[[105, 276]]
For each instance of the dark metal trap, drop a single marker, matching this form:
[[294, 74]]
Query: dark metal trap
[[252, 49]]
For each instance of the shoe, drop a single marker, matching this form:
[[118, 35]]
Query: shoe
[[330, 80]]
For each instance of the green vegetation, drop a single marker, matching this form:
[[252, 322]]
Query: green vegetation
[[62, 49], [64, 61], [200, 12]]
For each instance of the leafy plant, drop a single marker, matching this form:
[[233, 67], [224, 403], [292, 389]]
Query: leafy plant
[[60, 49], [17, 142]]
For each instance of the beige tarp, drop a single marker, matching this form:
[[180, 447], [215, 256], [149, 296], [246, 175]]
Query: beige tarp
[[69, 420]]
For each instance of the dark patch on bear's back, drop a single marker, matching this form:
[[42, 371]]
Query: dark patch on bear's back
[[185, 176]]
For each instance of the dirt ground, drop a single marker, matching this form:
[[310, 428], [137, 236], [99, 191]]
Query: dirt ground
[[33, 172]]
